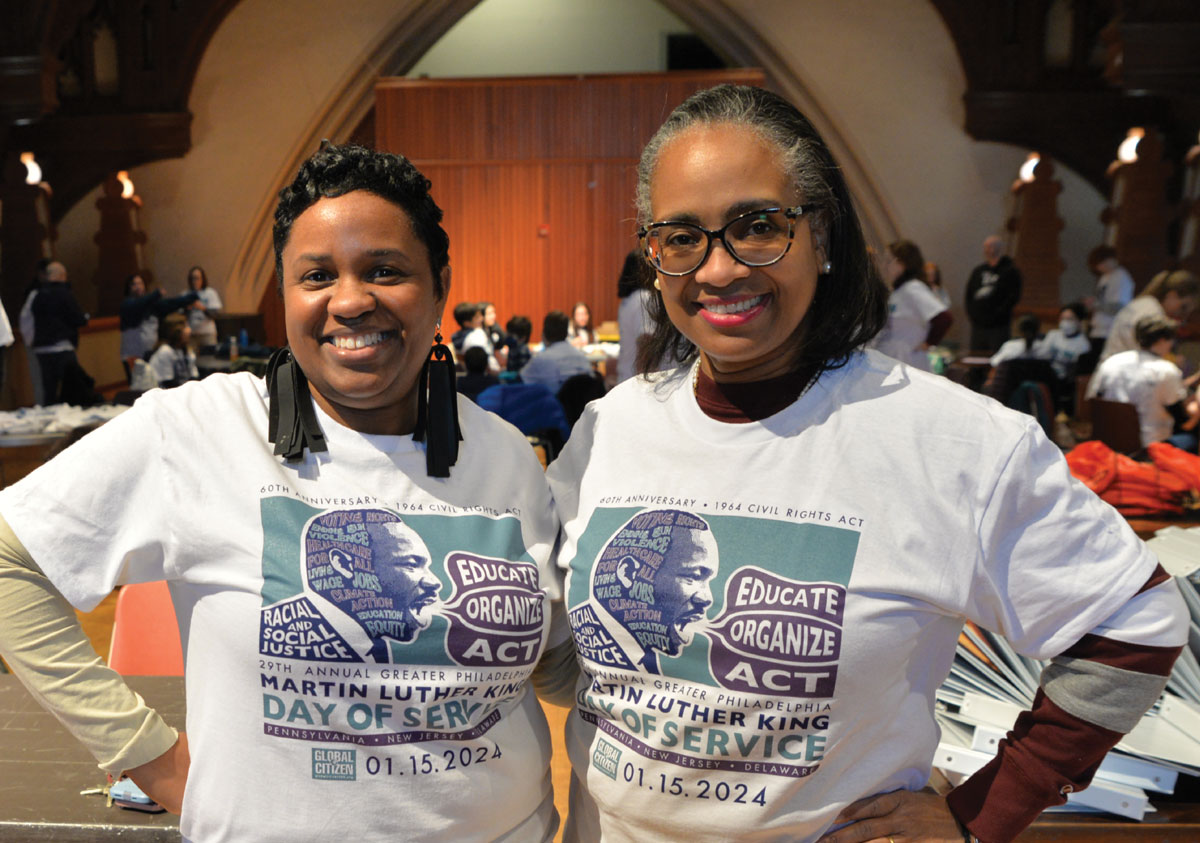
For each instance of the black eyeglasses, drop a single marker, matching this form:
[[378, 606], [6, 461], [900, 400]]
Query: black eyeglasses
[[757, 238]]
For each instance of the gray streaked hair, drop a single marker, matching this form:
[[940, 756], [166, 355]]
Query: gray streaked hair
[[802, 153]]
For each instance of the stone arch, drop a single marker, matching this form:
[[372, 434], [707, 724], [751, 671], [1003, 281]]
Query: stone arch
[[398, 49]]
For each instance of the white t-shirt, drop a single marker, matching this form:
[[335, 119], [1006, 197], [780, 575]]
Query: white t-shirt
[[1114, 290], [6, 331], [797, 663], [172, 364], [1015, 349], [911, 307], [327, 693], [1145, 380], [199, 320], [1062, 351], [25, 319], [1122, 336]]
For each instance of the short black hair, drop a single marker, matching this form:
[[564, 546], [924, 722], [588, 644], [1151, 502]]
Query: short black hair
[[1078, 308], [335, 170], [1151, 329], [554, 327], [475, 359], [1100, 254], [636, 274], [464, 312], [170, 329], [1028, 327], [520, 327]]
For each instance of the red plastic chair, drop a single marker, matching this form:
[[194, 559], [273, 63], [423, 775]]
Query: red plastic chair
[[145, 640]]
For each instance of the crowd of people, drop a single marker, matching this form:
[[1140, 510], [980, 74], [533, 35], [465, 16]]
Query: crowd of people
[[1039, 372], [747, 653], [1129, 359], [159, 335], [537, 387]]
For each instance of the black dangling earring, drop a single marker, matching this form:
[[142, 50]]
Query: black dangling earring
[[437, 411], [291, 421]]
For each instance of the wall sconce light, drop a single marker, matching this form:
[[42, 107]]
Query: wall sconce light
[[1127, 151], [1026, 172], [33, 170], [126, 184]]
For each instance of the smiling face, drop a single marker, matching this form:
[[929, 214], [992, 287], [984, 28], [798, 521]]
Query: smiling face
[[745, 320], [681, 584], [360, 309], [581, 315]]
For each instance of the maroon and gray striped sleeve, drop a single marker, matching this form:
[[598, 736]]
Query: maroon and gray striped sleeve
[[1090, 696]]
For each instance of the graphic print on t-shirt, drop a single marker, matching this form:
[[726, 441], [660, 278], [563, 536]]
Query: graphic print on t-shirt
[[454, 600], [746, 613]]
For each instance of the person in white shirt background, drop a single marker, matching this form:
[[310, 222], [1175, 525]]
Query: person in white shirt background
[[173, 361], [201, 311], [1114, 290], [1025, 345], [1146, 379], [6, 339], [1064, 345], [917, 319]]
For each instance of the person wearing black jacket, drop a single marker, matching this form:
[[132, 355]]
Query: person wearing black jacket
[[993, 290], [140, 312], [57, 318]]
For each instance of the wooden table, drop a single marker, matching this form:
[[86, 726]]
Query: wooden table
[[1177, 822], [1146, 527], [43, 768], [21, 453]]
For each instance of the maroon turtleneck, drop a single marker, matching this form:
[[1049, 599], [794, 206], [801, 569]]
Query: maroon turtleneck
[[739, 403]]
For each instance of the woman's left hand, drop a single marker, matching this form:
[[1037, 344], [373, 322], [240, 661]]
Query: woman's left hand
[[897, 817]]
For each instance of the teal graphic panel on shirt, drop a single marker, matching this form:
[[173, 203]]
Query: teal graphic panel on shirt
[[747, 604], [369, 585], [711, 643]]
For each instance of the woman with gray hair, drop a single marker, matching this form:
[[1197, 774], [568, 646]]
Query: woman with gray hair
[[861, 509]]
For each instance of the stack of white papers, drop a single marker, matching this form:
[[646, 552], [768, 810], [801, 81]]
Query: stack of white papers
[[990, 684]]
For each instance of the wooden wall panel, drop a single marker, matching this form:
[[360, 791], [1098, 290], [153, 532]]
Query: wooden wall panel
[[520, 122], [536, 176], [428, 124], [614, 231], [570, 241]]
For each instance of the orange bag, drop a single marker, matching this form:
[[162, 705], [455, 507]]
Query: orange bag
[[1134, 488], [1094, 464], [1178, 462]]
